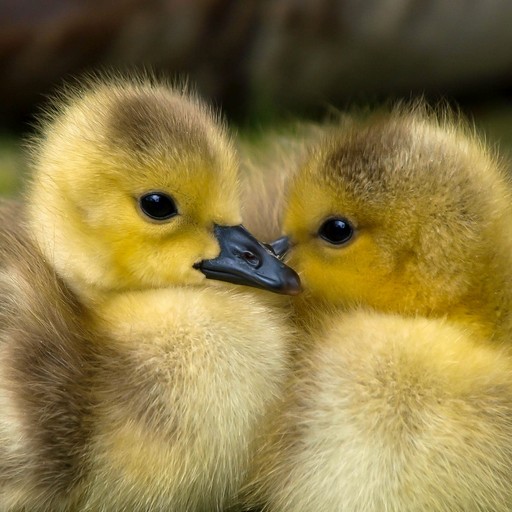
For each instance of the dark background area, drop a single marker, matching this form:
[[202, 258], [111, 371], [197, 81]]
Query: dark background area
[[263, 62]]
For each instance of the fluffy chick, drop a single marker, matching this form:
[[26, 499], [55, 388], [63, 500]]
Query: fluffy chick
[[128, 381], [402, 396]]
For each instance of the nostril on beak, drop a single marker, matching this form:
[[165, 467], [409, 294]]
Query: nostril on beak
[[250, 258]]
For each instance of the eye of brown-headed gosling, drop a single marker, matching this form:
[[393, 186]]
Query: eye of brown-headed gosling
[[336, 231]]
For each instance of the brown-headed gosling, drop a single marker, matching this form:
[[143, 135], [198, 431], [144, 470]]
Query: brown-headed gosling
[[131, 378], [401, 398]]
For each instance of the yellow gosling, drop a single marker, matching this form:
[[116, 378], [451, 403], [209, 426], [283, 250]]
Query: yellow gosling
[[130, 377], [402, 395]]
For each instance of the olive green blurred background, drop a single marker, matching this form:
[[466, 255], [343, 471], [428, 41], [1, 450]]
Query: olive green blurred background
[[264, 62]]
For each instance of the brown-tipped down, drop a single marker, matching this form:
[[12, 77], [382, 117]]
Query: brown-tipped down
[[44, 366]]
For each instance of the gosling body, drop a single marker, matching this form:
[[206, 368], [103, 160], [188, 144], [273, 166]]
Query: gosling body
[[401, 397]]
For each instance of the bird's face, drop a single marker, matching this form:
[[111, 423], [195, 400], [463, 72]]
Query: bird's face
[[396, 216], [149, 232], [339, 253], [137, 189]]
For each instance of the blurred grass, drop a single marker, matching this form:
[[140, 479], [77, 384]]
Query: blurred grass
[[494, 120], [13, 168]]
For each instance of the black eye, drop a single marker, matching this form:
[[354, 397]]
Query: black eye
[[158, 206], [336, 231]]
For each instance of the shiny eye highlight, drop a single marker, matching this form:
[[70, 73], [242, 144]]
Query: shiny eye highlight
[[336, 231], [158, 206]]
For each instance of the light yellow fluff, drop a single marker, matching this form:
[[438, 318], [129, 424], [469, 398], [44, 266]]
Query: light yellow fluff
[[392, 413], [401, 399]]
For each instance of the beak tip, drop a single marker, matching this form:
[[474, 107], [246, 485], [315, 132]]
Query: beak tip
[[294, 291], [291, 284]]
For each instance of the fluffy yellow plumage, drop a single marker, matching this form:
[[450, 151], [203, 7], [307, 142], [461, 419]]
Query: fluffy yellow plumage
[[402, 395], [128, 381]]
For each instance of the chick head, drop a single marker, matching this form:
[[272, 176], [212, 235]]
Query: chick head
[[132, 180], [404, 212]]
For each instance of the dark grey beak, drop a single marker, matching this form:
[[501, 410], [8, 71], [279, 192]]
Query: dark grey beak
[[244, 260], [280, 246]]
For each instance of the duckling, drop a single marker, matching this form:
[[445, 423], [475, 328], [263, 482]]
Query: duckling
[[131, 377], [402, 395]]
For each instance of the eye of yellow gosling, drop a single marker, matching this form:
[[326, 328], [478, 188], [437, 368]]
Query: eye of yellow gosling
[[157, 206], [337, 231]]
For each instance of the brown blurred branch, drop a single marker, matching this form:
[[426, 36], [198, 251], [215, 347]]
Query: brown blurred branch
[[254, 54]]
